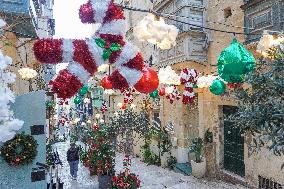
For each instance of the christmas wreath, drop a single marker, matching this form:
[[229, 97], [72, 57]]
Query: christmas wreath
[[20, 150]]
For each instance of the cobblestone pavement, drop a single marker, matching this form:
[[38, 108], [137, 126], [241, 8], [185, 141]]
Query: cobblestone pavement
[[152, 177]]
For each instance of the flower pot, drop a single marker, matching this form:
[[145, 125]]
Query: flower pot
[[104, 182], [198, 169]]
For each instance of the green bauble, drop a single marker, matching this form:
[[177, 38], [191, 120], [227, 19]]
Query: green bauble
[[50, 104], [77, 100], [218, 87], [83, 90], [234, 62], [154, 94]]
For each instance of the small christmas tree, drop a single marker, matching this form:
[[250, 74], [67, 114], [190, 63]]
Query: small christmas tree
[[126, 125]]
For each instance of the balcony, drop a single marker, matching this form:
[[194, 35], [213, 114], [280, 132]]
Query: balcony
[[192, 39], [262, 15]]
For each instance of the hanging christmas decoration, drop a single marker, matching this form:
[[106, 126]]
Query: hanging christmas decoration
[[123, 107], [268, 41], [128, 96], [156, 31], [85, 56], [168, 76], [106, 83], [174, 95], [8, 125], [234, 62], [169, 89], [162, 91], [149, 81], [188, 77], [21, 150], [84, 90], [63, 112], [234, 85], [27, 73], [205, 81], [77, 100], [218, 87], [104, 107], [154, 94]]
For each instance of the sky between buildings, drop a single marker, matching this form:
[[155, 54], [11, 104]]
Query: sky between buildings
[[67, 21]]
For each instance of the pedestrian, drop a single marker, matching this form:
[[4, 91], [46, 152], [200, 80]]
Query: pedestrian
[[73, 160]]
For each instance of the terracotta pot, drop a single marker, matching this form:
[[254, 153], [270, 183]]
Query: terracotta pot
[[104, 182], [198, 169]]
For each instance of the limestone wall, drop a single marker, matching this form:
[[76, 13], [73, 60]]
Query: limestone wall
[[263, 163], [20, 50]]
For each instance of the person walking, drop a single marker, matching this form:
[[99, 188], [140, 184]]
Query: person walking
[[73, 160]]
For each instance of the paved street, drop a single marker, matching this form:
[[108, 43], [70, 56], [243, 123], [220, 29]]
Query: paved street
[[152, 177]]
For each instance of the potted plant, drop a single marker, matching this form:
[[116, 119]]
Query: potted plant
[[199, 164], [126, 179], [101, 156]]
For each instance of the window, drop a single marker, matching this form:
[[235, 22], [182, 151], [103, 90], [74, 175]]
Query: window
[[228, 12], [261, 20], [196, 18]]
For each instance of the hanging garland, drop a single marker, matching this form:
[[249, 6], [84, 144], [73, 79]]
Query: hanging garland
[[128, 96], [104, 107], [174, 95], [188, 77], [107, 45], [21, 150]]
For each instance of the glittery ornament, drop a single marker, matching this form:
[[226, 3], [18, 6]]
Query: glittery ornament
[[149, 81], [154, 94], [77, 100], [106, 83], [234, 62], [218, 87], [162, 91], [83, 90]]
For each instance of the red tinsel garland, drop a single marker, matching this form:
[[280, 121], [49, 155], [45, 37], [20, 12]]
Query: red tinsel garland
[[61, 85]]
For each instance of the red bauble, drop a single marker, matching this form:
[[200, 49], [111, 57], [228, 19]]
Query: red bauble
[[149, 81], [162, 91], [123, 107], [106, 83]]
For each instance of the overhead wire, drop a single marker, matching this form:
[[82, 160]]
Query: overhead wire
[[169, 17]]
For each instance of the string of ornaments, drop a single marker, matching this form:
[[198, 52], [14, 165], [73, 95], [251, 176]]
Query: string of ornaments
[[234, 63]]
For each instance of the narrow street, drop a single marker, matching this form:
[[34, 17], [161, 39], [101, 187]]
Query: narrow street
[[152, 177]]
